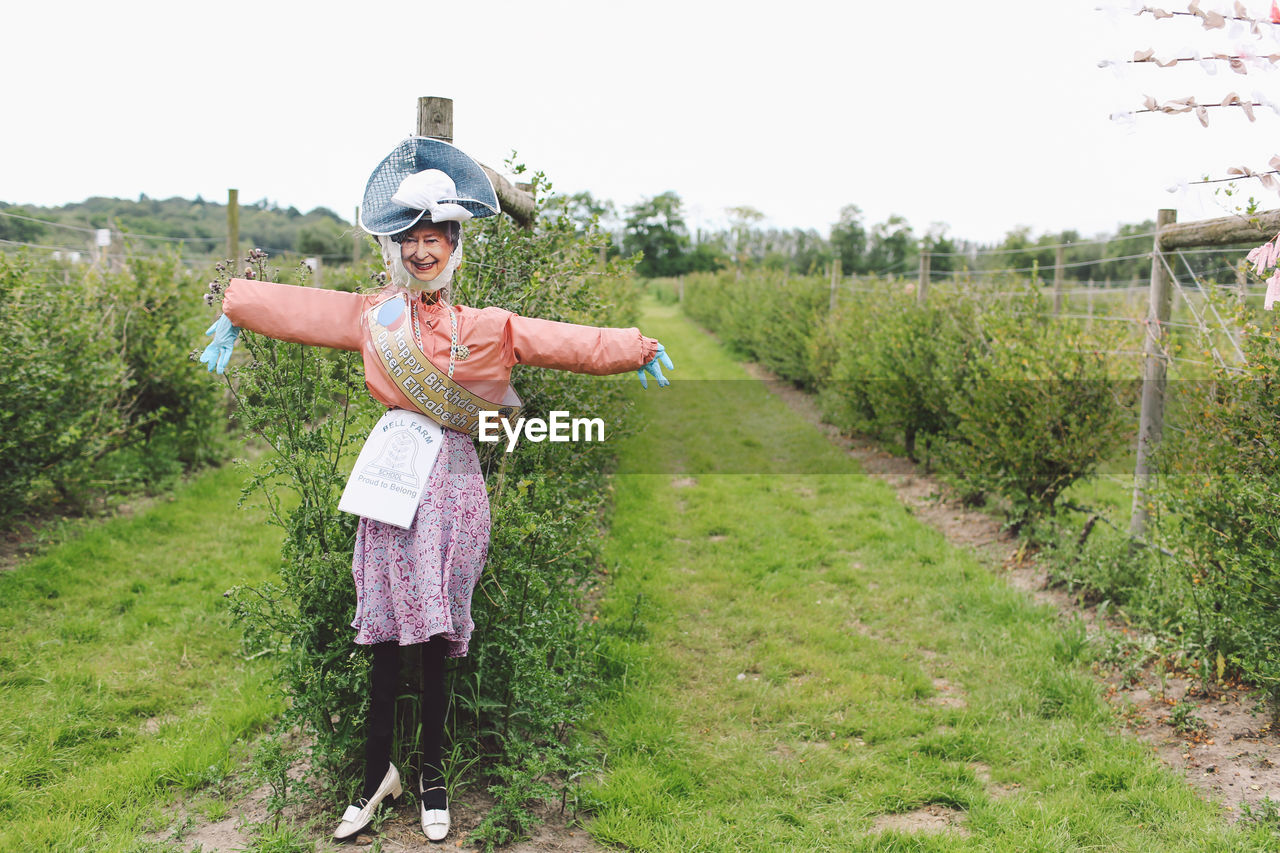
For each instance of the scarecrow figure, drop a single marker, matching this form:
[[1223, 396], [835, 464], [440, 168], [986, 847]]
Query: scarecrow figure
[[445, 367]]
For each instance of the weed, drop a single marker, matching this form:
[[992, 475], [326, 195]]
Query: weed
[[1185, 720], [281, 839], [1264, 813], [215, 809], [270, 766]]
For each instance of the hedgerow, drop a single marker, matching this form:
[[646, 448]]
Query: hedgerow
[[97, 396], [1002, 398], [1218, 505]]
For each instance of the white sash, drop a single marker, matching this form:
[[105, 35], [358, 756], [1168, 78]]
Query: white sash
[[391, 472]]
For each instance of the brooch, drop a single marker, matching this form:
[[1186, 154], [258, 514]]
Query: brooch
[[460, 352]]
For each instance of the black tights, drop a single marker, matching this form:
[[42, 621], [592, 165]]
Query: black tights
[[435, 702]]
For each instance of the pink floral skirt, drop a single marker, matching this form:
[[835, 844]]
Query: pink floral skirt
[[415, 584]]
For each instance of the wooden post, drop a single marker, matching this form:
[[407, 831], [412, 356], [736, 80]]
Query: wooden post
[[835, 281], [435, 119], [1058, 278], [1154, 375], [922, 287], [356, 240], [233, 226]]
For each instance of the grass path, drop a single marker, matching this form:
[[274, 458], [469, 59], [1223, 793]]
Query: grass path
[[814, 669], [122, 684]]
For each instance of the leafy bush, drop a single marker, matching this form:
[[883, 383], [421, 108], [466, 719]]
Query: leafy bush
[[769, 316], [1219, 500], [894, 364], [97, 393], [1014, 404], [531, 671], [1035, 409]]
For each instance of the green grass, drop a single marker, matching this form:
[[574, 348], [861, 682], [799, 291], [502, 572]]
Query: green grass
[[122, 681], [808, 657]]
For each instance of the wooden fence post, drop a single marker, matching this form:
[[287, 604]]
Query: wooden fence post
[[922, 286], [1154, 375], [233, 226], [1058, 278], [435, 118], [835, 281], [356, 240]]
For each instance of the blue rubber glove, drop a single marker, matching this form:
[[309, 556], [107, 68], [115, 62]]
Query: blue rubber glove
[[653, 368], [218, 352]]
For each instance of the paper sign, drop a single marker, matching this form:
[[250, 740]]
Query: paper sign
[[391, 472]]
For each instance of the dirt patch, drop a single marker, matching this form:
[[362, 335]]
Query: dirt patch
[[1218, 737], [947, 695], [398, 830], [930, 819], [553, 834]]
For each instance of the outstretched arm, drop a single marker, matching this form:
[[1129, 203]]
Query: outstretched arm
[[304, 315], [300, 315], [583, 349]]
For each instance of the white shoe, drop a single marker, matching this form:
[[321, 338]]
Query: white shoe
[[435, 822], [356, 818]]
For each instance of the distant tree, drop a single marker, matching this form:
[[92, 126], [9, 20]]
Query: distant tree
[[583, 209], [849, 240], [656, 227], [20, 230], [810, 253], [891, 247], [1018, 251], [942, 249], [322, 238], [743, 240]]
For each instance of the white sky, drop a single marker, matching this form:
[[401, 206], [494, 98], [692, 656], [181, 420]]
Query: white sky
[[983, 115]]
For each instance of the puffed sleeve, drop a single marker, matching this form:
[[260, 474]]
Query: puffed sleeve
[[580, 349], [302, 315]]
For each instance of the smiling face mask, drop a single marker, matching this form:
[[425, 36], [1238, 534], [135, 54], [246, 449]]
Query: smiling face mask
[[407, 260]]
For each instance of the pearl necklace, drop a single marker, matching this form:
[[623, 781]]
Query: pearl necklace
[[460, 352]]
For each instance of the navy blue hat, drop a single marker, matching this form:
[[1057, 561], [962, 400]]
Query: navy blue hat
[[472, 192]]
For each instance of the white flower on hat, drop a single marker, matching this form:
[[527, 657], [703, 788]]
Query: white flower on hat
[[424, 191]]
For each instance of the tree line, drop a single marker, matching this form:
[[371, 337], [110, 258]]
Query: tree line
[[197, 225], [656, 228]]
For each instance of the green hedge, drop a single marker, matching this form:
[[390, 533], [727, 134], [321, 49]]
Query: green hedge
[[97, 395], [1002, 398], [1217, 506]]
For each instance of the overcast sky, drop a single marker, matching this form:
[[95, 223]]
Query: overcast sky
[[982, 116]]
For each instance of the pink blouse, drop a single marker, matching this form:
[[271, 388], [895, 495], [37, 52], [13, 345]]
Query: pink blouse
[[496, 339]]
